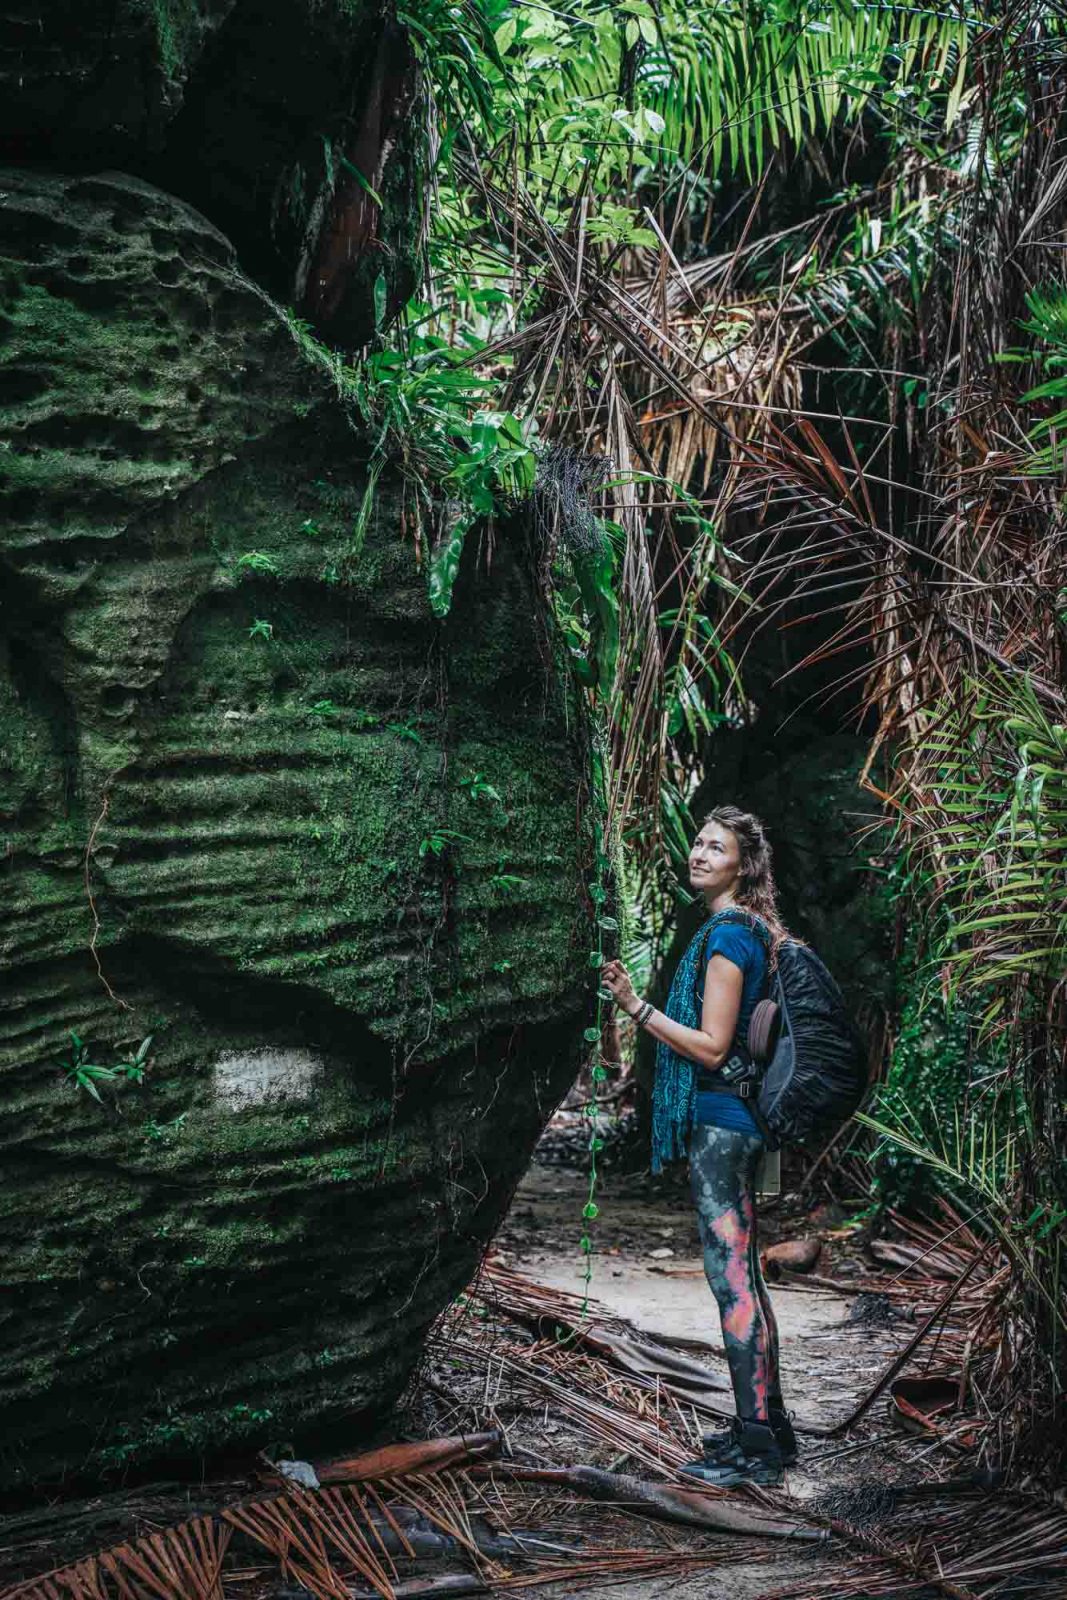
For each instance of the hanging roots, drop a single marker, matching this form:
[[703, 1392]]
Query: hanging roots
[[566, 480]]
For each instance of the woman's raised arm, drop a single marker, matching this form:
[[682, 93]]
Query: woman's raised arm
[[708, 1045]]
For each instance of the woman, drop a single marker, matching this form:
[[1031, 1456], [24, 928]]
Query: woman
[[719, 981]]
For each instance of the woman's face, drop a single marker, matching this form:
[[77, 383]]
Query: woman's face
[[715, 861]]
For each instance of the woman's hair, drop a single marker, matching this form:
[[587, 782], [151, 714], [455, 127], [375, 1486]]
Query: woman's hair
[[757, 890]]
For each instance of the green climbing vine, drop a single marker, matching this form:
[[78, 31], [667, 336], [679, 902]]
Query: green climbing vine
[[585, 570], [594, 1034]]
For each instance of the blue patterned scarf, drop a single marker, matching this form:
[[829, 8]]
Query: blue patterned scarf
[[674, 1092]]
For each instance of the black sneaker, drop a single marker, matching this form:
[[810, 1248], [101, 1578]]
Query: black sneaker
[[753, 1455], [715, 1443]]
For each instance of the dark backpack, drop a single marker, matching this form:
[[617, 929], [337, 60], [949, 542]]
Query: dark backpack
[[818, 1072]]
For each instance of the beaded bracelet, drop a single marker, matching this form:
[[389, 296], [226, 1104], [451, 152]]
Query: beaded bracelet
[[643, 1012]]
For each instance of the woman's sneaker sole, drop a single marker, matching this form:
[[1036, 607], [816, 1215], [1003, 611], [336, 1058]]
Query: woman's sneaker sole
[[724, 1477]]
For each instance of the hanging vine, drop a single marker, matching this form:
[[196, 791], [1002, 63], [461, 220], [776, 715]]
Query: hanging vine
[[600, 894]]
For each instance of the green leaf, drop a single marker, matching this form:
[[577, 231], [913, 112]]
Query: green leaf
[[444, 568], [361, 180], [381, 300]]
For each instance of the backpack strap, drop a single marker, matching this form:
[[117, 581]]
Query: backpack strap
[[744, 1082]]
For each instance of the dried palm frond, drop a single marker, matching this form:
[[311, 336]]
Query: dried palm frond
[[180, 1563], [945, 1537], [653, 396], [975, 1548]]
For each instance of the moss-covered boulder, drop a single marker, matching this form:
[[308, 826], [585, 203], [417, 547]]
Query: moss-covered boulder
[[291, 124], [258, 808]]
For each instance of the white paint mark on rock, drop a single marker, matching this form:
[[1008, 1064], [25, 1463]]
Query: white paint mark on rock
[[244, 1078]]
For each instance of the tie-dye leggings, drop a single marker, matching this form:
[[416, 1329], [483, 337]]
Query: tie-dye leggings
[[722, 1168]]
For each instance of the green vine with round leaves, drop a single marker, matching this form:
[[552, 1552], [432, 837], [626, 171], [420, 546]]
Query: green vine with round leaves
[[594, 1034]]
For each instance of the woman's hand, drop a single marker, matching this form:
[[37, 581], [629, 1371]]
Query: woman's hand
[[615, 975]]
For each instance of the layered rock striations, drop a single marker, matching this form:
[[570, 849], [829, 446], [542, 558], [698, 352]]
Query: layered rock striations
[[260, 809]]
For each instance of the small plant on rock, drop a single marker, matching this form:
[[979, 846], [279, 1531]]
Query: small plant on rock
[[437, 842], [87, 1074]]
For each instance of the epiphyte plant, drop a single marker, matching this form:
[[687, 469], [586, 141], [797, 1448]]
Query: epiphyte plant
[[86, 1074]]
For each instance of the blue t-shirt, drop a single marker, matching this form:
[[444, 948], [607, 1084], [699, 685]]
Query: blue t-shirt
[[746, 950]]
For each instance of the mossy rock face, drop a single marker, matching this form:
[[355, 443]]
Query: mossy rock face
[[278, 121], [317, 845]]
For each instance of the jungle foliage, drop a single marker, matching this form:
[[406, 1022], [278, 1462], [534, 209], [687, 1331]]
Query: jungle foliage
[[792, 272]]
